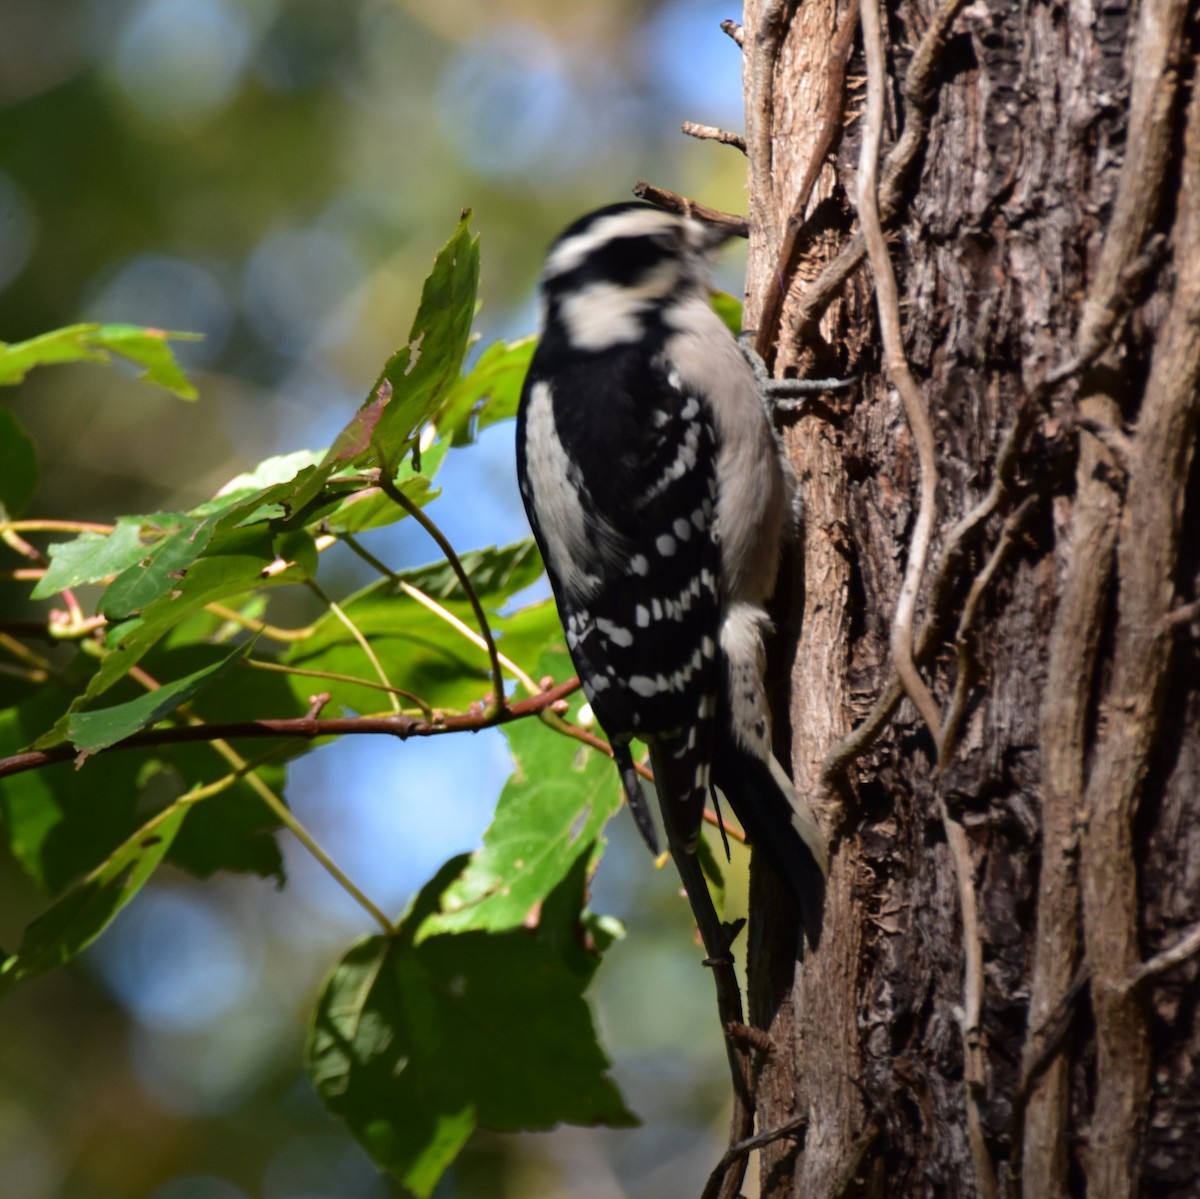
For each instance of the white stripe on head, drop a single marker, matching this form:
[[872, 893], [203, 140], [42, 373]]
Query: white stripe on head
[[633, 222], [601, 315]]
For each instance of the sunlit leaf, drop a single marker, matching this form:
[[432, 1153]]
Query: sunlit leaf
[[489, 393], [415, 1041], [551, 811], [270, 472], [421, 371], [147, 348], [233, 566], [158, 570], [91, 557]]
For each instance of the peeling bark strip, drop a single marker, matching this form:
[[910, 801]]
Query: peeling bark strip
[[1039, 193]]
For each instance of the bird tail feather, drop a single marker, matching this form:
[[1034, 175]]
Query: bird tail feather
[[779, 825]]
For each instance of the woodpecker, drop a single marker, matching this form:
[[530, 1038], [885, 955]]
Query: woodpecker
[[660, 499]]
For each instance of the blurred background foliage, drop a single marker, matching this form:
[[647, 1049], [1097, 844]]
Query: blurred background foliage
[[277, 174]]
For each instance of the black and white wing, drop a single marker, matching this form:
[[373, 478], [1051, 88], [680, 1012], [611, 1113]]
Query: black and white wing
[[620, 488]]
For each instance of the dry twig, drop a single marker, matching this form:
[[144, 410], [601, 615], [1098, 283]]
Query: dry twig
[[710, 133], [674, 202]]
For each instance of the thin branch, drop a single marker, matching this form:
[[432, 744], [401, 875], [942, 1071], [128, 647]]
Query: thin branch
[[1038, 1151], [425, 708], [769, 33], [1045, 1043], [674, 202], [914, 406], [796, 1127], [1185, 614], [711, 133], [16, 542], [22, 653], [418, 514], [428, 602], [54, 526], [367, 648], [307, 727], [1187, 947], [726, 1180], [1151, 541], [974, 1066]]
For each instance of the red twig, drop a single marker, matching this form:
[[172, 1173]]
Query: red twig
[[308, 727]]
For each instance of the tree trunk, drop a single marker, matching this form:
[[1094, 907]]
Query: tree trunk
[[994, 1008]]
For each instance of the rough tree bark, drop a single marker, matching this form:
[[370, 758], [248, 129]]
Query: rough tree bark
[[995, 1007]]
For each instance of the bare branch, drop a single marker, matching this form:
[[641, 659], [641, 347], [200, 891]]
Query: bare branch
[[1183, 615], [793, 1128], [711, 133], [673, 202], [1183, 950], [398, 725]]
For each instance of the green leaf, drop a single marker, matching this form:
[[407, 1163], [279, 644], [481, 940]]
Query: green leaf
[[418, 650], [270, 472], [59, 822], [95, 730], [18, 466], [148, 349], [494, 573], [419, 373], [369, 508], [710, 865], [71, 344], [93, 343], [156, 572], [233, 565], [728, 308], [83, 913], [91, 557], [550, 813], [490, 393], [414, 1042], [234, 830]]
